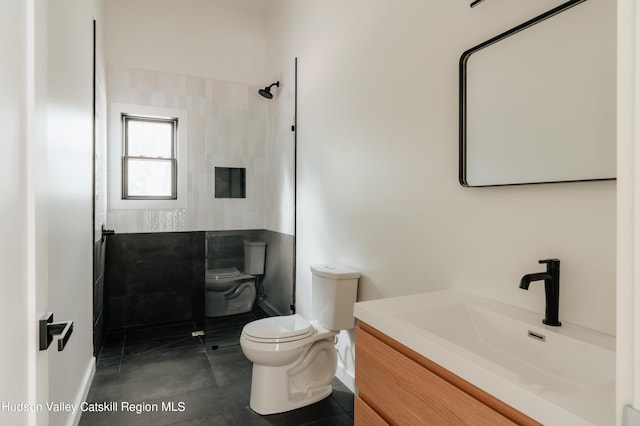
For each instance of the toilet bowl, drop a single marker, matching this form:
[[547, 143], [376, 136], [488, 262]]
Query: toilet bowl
[[294, 359], [294, 362], [229, 291]]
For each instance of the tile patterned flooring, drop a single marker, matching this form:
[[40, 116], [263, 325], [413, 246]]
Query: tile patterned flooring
[[166, 367]]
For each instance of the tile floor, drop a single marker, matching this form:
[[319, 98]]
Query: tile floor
[[205, 386]]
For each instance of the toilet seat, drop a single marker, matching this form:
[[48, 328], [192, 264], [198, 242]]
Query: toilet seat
[[222, 273], [224, 280], [279, 329]]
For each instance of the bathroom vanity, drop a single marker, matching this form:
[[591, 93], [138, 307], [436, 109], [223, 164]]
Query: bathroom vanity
[[450, 357], [388, 375]]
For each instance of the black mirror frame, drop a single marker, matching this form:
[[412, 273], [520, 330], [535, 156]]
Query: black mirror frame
[[462, 166]]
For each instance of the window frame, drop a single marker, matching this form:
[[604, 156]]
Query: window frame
[[113, 172], [173, 121]]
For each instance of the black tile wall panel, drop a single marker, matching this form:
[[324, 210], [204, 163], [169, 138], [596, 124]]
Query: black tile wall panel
[[98, 295], [154, 278]]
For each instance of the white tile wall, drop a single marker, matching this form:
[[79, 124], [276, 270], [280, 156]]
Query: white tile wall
[[100, 150], [229, 125]]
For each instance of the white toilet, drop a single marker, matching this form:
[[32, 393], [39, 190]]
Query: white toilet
[[294, 360], [229, 291]]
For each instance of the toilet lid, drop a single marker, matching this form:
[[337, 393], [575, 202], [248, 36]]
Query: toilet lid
[[278, 329], [222, 273]]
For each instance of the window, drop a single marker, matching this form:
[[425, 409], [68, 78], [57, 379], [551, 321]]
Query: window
[[149, 164], [147, 172]]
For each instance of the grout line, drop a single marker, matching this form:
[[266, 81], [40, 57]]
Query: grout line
[[343, 409], [200, 336], [124, 342]]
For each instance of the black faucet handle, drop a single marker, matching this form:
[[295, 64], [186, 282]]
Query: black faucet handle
[[551, 263]]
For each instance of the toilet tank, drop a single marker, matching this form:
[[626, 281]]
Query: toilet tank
[[254, 254], [334, 290]]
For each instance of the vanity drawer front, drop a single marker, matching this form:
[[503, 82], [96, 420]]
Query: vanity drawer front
[[365, 415], [405, 393]]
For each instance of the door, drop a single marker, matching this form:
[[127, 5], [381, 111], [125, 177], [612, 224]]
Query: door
[[23, 251]]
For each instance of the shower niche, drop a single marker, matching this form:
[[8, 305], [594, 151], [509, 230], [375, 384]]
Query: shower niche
[[230, 182]]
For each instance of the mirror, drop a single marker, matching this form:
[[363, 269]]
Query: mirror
[[538, 102]]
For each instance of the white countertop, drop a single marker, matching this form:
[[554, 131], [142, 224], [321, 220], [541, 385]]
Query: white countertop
[[592, 404]]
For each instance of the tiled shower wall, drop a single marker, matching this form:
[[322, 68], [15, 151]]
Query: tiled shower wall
[[225, 249], [229, 126], [154, 278]]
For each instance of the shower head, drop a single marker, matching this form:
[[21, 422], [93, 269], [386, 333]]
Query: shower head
[[266, 92]]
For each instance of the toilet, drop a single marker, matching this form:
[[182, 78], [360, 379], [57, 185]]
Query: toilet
[[229, 291], [294, 359]]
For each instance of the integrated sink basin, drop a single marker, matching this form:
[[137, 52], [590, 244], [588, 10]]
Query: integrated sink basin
[[542, 359], [556, 375]]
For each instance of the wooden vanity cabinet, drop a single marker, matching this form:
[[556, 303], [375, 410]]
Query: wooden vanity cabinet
[[398, 386]]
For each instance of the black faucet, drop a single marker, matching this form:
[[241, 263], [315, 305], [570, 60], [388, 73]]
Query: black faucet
[[551, 289]]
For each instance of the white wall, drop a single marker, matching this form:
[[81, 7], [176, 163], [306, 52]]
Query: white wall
[[378, 161], [70, 192], [280, 149], [101, 124], [205, 38]]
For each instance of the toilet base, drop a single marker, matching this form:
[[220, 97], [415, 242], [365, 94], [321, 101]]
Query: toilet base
[[236, 301], [306, 381], [272, 400]]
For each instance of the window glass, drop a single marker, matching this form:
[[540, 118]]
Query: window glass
[[149, 163], [150, 138], [149, 178]]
